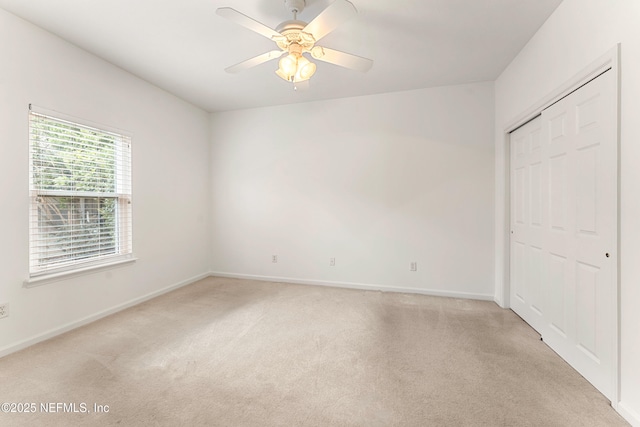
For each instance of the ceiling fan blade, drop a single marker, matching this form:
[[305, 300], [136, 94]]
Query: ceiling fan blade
[[245, 21], [342, 59], [329, 19], [257, 60]]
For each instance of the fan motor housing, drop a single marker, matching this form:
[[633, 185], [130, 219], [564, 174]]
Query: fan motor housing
[[292, 33], [291, 26]]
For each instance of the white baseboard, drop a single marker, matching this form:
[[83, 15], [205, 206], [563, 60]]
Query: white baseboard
[[628, 414], [12, 348], [501, 302], [351, 285]]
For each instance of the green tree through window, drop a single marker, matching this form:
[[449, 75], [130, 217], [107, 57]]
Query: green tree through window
[[80, 185]]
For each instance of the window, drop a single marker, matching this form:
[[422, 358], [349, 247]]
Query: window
[[80, 185]]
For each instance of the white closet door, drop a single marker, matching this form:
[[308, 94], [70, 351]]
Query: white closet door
[[581, 145], [564, 225], [528, 215]]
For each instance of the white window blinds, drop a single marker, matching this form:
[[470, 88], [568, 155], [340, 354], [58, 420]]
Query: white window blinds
[[80, 188]]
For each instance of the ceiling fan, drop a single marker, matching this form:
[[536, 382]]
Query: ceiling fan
[[295, 38]]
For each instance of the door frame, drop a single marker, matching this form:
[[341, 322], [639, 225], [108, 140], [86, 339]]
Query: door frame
[[609, 61]]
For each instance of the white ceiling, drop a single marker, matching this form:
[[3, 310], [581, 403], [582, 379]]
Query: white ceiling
[[183, 47]]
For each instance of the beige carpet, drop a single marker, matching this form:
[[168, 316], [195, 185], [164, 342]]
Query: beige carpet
[[225, 352]]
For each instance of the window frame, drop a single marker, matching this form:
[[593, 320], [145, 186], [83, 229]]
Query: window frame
[[122, 195]]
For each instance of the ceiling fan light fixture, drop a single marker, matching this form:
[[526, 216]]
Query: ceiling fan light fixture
[[282, 75], [294, 68], [288, 65], [306, 69], [294, 38]]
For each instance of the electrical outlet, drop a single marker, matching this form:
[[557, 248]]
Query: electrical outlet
[[332, 262], [274, 258], [4, 310], [414, 266]]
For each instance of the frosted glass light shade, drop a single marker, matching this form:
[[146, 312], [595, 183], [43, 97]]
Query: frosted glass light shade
[[288, 65], [295, 68], [306, 69], [283, 76]]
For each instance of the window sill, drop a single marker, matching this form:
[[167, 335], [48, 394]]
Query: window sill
[[32, 282]]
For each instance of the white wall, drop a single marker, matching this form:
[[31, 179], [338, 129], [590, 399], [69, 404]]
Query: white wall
[[376, 182], [170, 180], [579, 32]]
